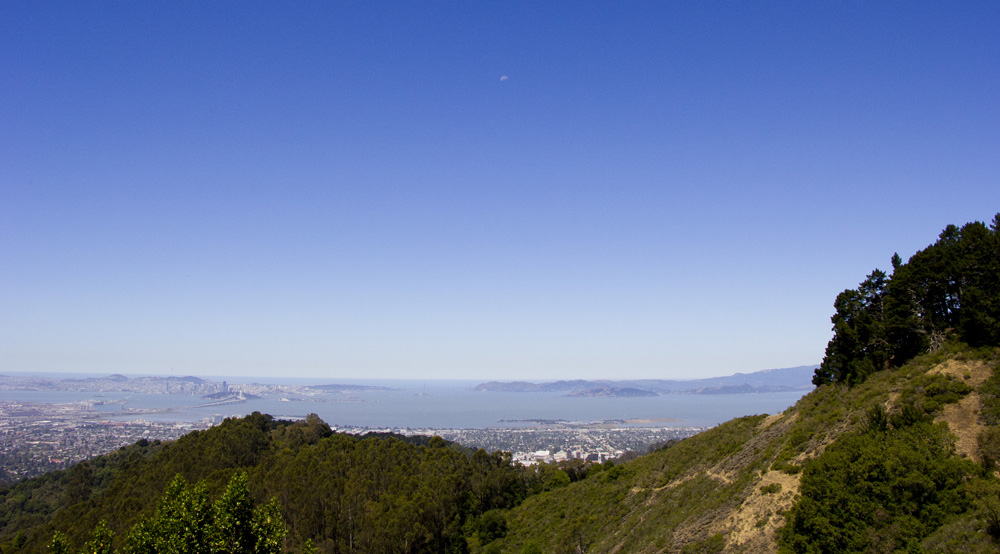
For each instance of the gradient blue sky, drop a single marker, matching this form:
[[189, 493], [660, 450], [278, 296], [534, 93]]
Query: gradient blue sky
[[476, 190]]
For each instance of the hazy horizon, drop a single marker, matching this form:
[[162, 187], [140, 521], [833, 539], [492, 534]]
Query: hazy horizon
[[355, 379]]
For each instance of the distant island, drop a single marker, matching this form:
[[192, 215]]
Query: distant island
[[612, 392]]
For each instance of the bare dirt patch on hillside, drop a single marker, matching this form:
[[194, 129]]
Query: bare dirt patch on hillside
[[963, 422], [759, 447], [753, 525], [963, 417], [973, 373], [750, 521]]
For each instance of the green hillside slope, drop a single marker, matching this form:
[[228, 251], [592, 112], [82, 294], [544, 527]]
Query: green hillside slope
[[826, 467]]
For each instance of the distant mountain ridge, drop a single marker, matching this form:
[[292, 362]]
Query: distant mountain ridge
[[768, 380]]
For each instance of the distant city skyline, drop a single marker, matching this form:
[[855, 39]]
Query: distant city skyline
[[474, 191]]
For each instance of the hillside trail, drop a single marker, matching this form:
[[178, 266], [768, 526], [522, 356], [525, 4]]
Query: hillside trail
[[963, 417], [752, 525]]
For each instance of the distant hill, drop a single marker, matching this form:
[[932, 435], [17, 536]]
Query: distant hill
[[609, 391], [769, 380]]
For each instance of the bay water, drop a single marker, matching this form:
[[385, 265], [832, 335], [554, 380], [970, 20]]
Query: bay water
[[417, 404]]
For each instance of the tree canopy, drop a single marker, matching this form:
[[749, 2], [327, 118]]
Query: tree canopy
[[186, 522], [952, 287], [338, 492]]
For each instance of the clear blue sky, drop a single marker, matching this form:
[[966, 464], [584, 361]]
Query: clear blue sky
[[531, 190]]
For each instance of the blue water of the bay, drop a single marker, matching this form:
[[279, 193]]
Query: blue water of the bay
[[419, 404]]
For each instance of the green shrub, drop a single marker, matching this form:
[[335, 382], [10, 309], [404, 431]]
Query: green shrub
[[491, 526], [773, 488], [877, 489], [987, 496], [531, 547], [907, 416], [988, 447], [932, 391], [876, 419], [612, 474], [785, 467], [989, 399]]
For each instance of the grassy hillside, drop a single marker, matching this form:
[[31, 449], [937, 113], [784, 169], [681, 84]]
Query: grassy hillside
[[734, 488]]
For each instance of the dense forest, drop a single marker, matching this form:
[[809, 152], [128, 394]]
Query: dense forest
[[344, 493], [897, 450], [333, 491]]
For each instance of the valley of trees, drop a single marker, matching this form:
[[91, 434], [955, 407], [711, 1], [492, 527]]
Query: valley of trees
[[334, 492], [897, 450]]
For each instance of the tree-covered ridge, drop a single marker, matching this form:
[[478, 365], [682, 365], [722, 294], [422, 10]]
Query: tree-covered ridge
[[187, 522], [380, 493], [950, 288]]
